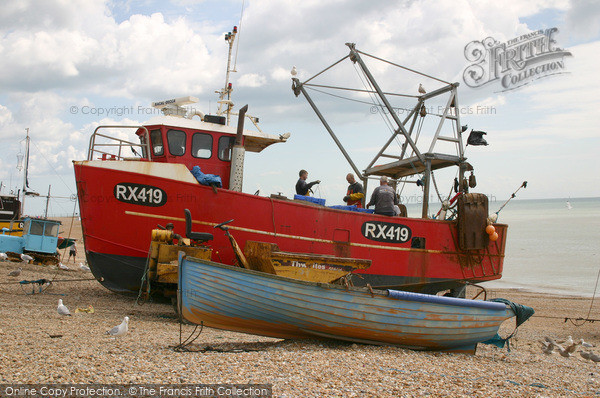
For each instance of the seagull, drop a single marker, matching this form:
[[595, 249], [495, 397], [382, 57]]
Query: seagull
[[594, 357], [585, 355], [568, 341], [571, 348], [585, 344], [563, 352], [62, 309], [3, 256], [63, 267], [83, 267], [547, 348], [421, 89], [26, 258], [294, 72], [121, 329], [16, 272]]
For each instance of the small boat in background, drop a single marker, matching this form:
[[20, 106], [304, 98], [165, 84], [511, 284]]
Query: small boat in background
[[249, 301], [63, 242]]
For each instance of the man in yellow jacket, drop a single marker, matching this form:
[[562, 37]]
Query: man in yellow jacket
[[355, 192]]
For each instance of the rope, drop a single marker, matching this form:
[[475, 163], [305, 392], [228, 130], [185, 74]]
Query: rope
[[182, 346], [70, 228], [436, 187], [273, 218], [139, 300]]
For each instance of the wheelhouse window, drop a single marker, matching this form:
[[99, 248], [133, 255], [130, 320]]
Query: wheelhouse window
[[225, 145], [51, 230], [157, 143], [202, 145], [37, 228], [176, 140]]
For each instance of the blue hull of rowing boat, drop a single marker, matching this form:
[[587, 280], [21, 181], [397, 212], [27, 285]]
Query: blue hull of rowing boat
[[247, 301]]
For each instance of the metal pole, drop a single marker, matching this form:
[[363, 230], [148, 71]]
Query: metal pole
[[25, 172], [389, 141], [354, 56], [426, 189], [47, 202], [297, 87]]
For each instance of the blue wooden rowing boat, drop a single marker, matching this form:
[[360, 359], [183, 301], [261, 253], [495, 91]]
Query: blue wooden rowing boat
[[242, 300]]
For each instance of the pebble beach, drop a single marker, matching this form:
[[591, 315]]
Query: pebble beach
[[41, 346]]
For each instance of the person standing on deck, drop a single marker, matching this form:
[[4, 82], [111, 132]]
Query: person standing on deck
[[384, 198], [355, 192], [302, 186]]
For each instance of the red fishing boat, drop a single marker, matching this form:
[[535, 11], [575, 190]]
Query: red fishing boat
[[122, 199]]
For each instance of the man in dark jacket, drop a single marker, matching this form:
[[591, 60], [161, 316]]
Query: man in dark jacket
[[355, 192], [302, 186], [384, 198]]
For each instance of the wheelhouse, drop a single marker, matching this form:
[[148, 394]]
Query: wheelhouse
[[208, 149]]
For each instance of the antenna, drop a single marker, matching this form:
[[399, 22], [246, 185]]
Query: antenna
[[226, 91]]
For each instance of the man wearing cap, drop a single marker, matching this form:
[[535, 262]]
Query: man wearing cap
[[384, 198]]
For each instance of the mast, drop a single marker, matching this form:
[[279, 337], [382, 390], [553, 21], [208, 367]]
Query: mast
[[47, 202], [25, 184], [226, 91]]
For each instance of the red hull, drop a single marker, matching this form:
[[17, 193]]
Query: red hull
[[118, 215]]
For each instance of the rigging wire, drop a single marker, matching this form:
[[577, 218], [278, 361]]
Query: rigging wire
[[52, 167], [312, 87], [237, 44], [403, 67], [359, 90]]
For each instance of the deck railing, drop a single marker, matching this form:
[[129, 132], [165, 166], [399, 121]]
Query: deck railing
[[101, 148]]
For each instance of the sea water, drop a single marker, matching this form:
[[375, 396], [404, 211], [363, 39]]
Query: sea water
[[549, 247]]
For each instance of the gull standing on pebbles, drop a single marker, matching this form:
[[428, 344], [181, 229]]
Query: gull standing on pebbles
[[62, 309], [121, 329], [563, 352], [15, 272], [63, 267], [26, 258], [547, 348], [83, 267], [585, 344], [594, 357]]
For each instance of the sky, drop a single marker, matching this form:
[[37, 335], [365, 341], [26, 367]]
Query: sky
[[69, 66]]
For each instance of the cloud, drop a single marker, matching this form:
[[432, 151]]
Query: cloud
[[142, 56], [583, 19], [251, 80]]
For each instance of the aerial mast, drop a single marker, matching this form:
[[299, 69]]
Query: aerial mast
[[225, 92], [25, 184]]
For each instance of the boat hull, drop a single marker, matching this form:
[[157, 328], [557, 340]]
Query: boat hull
[[121, 202], [248, 301]]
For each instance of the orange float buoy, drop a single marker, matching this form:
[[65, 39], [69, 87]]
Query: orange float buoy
[[494, 237], [490, 229]]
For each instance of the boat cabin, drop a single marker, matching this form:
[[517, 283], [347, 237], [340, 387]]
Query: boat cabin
[[177, 137], [192, 146], [39, 235]]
